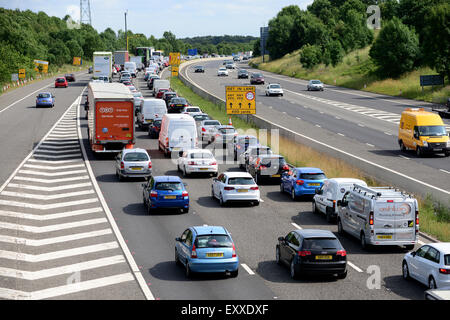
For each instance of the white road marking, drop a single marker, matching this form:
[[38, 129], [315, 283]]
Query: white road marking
[[51, 174], [338, 118], [57, 157], [343, 135], [11, 294], [54, 161], [370, 145], [298, 118], [247, 268], [403, 157], [53, 227], [53, 272], [60, 142], [19, 256], [50, 216], [389, 134], [296, 226], [361, 125], [318, 126], [70, 166], [46, 197], [41, 151], [50, 147], [51, 181], [420, 242], [354, 267], [47, 206], [445, 171]]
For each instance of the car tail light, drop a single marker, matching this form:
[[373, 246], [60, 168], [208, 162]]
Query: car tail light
[[167, 142], [194, 252], [299, 182], [304, 253], [262, 167], [444, 271], [254, 188], [150, 165], [233, 254], [213, 163], [417, 218], [185, 194], [341, 253], [153, 194], [285, 167], [203, 129], [228, 188], [371, 218], [390, 201], [334, 204], [191, 163], [122, 165]]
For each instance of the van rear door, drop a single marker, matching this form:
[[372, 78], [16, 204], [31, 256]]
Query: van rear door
[[384, 221], [182, 135], [405, 222], [394, 220]]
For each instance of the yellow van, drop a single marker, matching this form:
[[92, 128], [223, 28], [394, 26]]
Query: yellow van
[[423, 132]]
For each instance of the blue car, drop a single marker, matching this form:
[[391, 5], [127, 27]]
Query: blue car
[[302, 181], [45, 99], [207, 249], [165, 192]]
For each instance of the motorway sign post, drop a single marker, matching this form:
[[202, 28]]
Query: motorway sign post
[[240, 99], [174, 61], [21, 74], [174, 71]]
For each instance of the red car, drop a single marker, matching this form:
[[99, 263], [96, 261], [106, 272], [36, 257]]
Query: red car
[[160, 93], [61, 82]]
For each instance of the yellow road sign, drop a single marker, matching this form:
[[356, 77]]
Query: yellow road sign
[[41, 66], [21, 73], [174, 58], [240, 99], [174, 71], [76, 61]]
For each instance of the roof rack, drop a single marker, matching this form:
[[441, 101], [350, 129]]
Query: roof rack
[[381, 192]]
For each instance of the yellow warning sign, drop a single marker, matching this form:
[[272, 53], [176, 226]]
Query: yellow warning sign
[[174, 71], [174, 58], [76, 61], [240, 99], [21, 73]]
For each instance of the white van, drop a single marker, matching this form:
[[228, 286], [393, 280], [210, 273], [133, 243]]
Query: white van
[[330, 193], [131, 68], [379, 216], [149, 110], [178, 133], [157, 84]]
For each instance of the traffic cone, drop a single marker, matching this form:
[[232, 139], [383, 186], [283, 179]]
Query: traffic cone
[[229, 121]]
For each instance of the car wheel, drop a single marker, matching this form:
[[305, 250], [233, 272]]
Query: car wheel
[[342, 275], [405, 270], [328, 215], [277, 255], [234, 274], [256, 203], [340, 229], [281, 187], [257, 179], [149, 209], [212, 193], [409, 247], [221, 202], [432, 283], [402, 146], [314, 208], [293, 196], [185, 210], [294, 274], [119, 176], [144, 201], [188, 272], [177, 259], [185, 174], [178, 168], [419, 152], [362, 240], [447, 154]]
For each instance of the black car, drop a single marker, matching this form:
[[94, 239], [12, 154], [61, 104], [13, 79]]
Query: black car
[[70, 77], [257, 78], [150, 80], [268, 167], [167, 96], [154, 128], [176, 105], [312, 251], [199, 69], [242, 74]]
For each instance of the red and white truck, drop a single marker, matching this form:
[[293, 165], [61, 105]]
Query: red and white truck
[[110, 117]]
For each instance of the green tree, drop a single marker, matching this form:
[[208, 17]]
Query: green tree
[[75, 49], [396, 49], [310, 56], [336, 52], [436, 39], [256, 48]]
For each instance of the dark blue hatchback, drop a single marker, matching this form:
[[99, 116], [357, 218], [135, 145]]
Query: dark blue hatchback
[[165, 192]]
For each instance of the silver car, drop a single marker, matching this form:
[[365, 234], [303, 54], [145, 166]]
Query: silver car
[[133, 163], [224, 134], [207, 129], [315, 85]]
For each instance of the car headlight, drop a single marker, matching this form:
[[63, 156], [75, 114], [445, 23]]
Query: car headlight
[[425, 144]]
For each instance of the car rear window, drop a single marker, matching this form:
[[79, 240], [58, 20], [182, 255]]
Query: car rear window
[[201, 117], [213, 241], [321, 244], [201, 155], [226, 131], [261, 151], [241, 180], [60, 80], [135, 156], [313, 176], [193, 110], [157, 122], [44, 95], [168, 186], [211, 123], [447, 259], [276, 161]]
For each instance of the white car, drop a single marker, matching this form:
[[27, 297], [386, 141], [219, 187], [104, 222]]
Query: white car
[[274, 89], [138, 98], [235, 187], [192, 110], [222, 72], [197, 161], [430, 264], [207, 129], [315, 85]]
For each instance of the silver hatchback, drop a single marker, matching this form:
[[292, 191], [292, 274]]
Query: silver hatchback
[[131, 163]]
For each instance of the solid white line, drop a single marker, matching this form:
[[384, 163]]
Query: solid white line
[[50, 216], [296, 226], [137, 273], [53, 227], [370, 145], [71, 166], [247, 268], [11, 294], [47, 206], [47, 241], [46, 197], [53, 272], [403, 157], [421, 242], [445, 171], [19, 256], [14, 103], [353, 266], [343, 135], [389, 134], [50, 181], [51, 174]]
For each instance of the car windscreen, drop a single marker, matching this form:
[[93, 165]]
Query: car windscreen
[[243, 71], [321, 244], [44, 95], [240, 180], [432, 131], [275, 161], [193, 110], [168, 186], [227, 131], [201, 155], [257, 75], [312, 176], [316, 82], [135, 156], [447, 259], [211, 123], [213, 241]]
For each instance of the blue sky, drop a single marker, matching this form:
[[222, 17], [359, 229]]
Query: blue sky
[[185, 18]]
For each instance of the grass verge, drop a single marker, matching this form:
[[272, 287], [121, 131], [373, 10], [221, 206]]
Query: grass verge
[[434, 216]]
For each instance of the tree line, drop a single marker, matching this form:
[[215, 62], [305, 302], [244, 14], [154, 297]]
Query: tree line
[[413, 33]]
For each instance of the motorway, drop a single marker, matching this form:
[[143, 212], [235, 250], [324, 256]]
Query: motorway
[[104, 238], [361, 123]]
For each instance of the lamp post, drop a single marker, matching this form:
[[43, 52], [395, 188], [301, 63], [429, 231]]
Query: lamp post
[[126, 31]]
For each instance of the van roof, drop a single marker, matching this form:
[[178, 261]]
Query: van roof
[[179, 116], [423, 117], [348, 180]]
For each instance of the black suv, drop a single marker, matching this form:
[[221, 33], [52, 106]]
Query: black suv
[[242, 74]]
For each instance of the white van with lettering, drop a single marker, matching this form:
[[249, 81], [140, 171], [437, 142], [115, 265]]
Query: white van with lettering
[[379, 216]]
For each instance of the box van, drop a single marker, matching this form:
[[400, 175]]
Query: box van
[[150, 109], [158, 83], [379, 216], [131, 68], [178, 133], [330, 193], [423, 132]]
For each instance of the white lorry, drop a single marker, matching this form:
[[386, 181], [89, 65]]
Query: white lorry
[[102, 64]]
